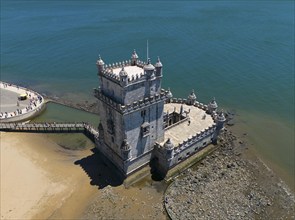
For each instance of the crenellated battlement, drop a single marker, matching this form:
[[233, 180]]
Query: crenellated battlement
[[137, 105], [112, 71], [184, 101], [194, 139], [98, 94]]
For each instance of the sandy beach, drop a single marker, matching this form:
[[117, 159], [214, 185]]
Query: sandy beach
[[40, 180]]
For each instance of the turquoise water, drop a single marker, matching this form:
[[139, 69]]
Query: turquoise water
[[60, 113], [238, 51]]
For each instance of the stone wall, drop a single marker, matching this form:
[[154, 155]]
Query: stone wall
[[167, 160], [152, 116], [124, 167]]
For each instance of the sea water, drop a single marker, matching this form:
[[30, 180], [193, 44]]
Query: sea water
[[59, 113], [240, 52]]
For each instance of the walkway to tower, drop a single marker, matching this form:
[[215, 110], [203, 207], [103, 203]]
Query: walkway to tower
[[45, 127]]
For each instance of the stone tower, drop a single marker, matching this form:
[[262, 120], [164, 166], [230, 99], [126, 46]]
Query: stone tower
[[131, 106]]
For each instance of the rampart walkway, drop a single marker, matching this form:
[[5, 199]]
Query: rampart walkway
[[46, 127]]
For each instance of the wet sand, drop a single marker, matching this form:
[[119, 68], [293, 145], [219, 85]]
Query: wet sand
[[42, 180], [39, 179]]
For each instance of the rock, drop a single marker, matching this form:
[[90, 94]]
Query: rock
[[230, 122]]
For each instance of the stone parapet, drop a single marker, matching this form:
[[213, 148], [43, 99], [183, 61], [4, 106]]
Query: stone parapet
[[98, 94], [194, 139], [108, 71], [184, 101], [123, 109], [182, 151]]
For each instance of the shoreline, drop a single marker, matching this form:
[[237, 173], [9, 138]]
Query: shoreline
[[240, 131], [90, 108], [231, 183]]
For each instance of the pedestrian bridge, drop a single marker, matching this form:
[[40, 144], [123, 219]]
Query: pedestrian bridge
[[54, 127]]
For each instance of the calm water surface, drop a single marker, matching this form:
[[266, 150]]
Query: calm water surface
[[240, 52]]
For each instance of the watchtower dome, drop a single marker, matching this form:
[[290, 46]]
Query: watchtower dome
[[100, 65]]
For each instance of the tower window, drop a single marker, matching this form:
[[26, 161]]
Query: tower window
[[143, 113], [110, 126], [145, 129]]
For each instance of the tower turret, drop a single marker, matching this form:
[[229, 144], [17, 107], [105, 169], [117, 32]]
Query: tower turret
[[149, 69], [191, 99], [100, 65], [125, 148], [169, 146], [134, 58], [212, 106], [158, 67], [169, 95], [220, 119], [123, 77]]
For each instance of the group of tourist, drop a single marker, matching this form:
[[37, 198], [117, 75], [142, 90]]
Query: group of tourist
[[34, 101], [5, 85]]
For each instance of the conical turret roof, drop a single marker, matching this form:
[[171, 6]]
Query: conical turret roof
[[192, 96], [221, 116], [158, 63], [169, 94], [99, 61], [213, 103], [134, 55], [149, 66], [123, 72], [168, 144]]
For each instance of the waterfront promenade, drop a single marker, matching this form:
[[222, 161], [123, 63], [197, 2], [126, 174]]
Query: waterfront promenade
[[12, 109]]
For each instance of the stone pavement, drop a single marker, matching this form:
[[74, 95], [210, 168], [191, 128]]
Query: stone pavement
[[8, 101], [199, 120]]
